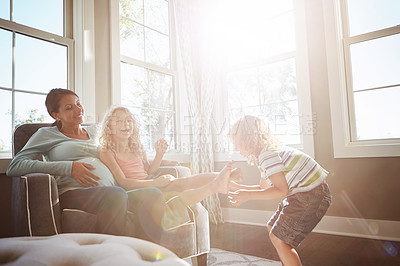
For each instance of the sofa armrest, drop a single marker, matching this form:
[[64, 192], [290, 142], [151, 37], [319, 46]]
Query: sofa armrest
[[35, 205]]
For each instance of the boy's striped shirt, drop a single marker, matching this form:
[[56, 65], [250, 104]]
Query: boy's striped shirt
[[302, 172]]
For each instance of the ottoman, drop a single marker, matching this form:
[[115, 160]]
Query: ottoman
[[84, 249]]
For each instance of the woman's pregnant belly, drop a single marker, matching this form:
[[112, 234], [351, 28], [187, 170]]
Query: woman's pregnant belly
[[100, 170]]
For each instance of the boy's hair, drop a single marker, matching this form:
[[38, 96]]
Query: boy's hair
[[253, 133], [106, 134]]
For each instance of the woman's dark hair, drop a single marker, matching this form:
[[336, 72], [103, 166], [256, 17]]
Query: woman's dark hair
[[53, 102]]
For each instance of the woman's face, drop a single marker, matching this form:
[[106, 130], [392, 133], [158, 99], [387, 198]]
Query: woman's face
[[70, 111], [121, 125]]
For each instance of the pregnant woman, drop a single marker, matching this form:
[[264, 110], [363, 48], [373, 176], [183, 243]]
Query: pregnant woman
[[72, 155]]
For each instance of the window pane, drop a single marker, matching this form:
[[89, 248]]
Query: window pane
[[47, 15], [6, 58], [253, 31], [134, 86], [157, 48], [283, 119], [5, 10], [277, 36], [376, 63], [271, 92], [41, 70], [30, 108], [5, 120], [377, 113], [154, 125], [132, 9], [157, 124], [156, 15], [132, 39], [367, 16], [142, 89], [160, 91], [277, 82], [273, 8]]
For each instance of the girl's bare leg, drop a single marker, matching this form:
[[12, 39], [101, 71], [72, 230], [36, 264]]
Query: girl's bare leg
[[191, 182], [220, 184]]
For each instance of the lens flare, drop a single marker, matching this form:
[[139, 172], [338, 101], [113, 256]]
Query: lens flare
[[158, 256], [390, 248]]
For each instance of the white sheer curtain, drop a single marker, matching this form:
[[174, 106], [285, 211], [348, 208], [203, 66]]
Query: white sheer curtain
[[201, 71]]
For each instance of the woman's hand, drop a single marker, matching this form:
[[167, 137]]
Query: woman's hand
[[238, 197], [81, 173], [161, 146], [163, 180]]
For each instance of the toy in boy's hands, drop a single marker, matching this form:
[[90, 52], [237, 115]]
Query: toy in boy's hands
[[161, 146], [236, 175]]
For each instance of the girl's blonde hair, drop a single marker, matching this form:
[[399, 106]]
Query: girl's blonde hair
[[253, 133], [106, 134]]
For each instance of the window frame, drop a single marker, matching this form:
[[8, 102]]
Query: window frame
[[66, 40], [307, 118], [117, 59], [340, 86]]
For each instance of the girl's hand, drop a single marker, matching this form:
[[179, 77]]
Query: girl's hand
[[161, 146], [163, 180], [238, 197], [236, 175], [81, 173]]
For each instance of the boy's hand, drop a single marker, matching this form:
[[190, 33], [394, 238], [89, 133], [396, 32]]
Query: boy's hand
[[238, 197], [233, 185], [161, 146], [236, 175]]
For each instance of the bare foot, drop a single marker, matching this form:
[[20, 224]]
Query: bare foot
[[222, 179]]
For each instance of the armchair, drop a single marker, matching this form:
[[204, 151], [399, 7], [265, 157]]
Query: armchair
[[36, 210]]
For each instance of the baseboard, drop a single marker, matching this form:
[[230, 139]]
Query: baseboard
[[344, 226]]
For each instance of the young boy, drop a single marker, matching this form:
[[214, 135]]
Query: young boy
[[285, 172]]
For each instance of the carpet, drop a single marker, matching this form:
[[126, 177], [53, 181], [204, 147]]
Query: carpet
[[218, 257]]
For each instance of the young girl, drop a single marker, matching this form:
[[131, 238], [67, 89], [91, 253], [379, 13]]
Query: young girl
[[123, 153], [285, 172]]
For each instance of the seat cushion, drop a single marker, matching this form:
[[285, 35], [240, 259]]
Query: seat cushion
[[84, 249]]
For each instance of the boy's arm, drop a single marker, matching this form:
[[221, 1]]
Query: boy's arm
[[236, 186], [279, 189]]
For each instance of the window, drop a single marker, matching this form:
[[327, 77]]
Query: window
[[147, 68], [36, 55], [364, 70], [267, 57]]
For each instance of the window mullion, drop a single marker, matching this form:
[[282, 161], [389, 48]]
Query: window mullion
[[372, 35], [139, 63], [13, 83], [35, 33]]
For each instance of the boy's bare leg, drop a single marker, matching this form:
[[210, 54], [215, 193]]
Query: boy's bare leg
[[220, 184], [287, 253]]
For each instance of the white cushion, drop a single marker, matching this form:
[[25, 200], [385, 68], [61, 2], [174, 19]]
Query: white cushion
[[84, 249]]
